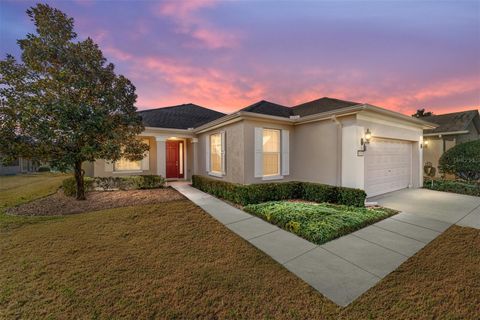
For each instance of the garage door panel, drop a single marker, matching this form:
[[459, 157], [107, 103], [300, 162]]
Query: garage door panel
[[387, 166]]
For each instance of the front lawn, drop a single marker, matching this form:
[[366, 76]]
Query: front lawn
[[317, 222], [174, 261], [19, 189]]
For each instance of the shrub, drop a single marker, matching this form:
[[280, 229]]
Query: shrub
[[463, 160], [351, 197], [43, 169], [264, 192], [112, 183], [461, 187], [147, 181], [69, 185]]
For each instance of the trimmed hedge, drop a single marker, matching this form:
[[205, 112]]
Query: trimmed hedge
[[461, 187], [264, 192], [113, 183]]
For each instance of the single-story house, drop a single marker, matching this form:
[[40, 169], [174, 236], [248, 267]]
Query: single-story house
[[19, 165], [453, 128], [327, 141]]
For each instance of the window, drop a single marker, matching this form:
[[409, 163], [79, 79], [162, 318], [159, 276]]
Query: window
[[271, 152], [216, 153], [127, 165]]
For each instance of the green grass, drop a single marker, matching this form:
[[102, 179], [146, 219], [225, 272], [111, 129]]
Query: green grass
[[318, 223], [19, 189]]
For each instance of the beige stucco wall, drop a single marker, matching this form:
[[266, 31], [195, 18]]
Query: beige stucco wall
[[432, 151], [234, 152], [436, 147], [317, 152]]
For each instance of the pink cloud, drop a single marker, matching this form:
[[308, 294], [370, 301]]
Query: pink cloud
[[116, 53], [185, 14]]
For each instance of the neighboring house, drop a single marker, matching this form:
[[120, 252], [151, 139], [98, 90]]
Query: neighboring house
[[319, 141], [453, 128], [20, 165]]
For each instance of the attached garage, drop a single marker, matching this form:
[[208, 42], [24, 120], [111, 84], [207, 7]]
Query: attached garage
[[382, 152], [388, 166]]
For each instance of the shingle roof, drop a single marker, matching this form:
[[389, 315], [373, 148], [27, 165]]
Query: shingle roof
[[324, 104], [451, 122], [270, 108], [183, 116]]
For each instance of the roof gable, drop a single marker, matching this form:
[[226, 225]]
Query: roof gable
[[269, 108], [452, 122], [183, 116], [324, 104]]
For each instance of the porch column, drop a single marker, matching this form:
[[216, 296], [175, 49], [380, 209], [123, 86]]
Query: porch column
[[195, 155], [161, 158], [353, 164]]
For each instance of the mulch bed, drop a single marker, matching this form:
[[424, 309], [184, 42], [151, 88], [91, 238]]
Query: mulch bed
[[59, 204]]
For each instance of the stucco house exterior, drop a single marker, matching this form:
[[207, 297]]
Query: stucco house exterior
[[19, 165], [327, 141], [452, 129]]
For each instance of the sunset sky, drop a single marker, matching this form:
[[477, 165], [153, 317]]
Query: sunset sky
[[225, 55]]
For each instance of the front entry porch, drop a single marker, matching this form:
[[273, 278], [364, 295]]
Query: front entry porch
[[175, 156]]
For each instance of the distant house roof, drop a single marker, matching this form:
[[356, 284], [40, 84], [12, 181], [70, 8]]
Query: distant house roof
[[324, 104], [183, 116], [453, 122]]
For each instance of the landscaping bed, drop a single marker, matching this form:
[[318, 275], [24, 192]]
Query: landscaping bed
[[461, 187], [61, 204], [318, 222]]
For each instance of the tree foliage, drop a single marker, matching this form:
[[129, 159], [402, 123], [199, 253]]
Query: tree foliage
[[63, 102], [463, 160], [422, 113]]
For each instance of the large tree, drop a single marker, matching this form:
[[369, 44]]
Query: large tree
[[63, 102]]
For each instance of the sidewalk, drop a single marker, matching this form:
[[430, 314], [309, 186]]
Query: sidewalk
[[341, 269]]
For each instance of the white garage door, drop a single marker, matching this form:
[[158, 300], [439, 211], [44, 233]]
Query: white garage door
[[388, 166]]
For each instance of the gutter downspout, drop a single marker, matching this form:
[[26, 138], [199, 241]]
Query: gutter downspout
[[339, 150]]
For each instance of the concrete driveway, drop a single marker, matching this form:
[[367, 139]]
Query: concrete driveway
[[442, 206]]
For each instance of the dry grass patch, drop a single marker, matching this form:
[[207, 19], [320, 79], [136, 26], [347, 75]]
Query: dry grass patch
[[442, 281], [20, 189], [60, 204], [170, 260]]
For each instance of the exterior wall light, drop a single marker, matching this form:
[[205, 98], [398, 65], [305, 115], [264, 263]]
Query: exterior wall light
[[366, 140]]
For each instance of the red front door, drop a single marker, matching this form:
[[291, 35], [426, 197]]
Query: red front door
[[174, 159]]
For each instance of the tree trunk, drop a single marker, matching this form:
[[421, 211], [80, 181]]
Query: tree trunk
[[79, 173]]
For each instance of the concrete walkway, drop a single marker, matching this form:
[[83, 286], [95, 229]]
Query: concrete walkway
[[341, 269]]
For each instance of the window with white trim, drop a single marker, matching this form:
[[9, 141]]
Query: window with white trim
[[271, 152], [127, 165], [216, 153]]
